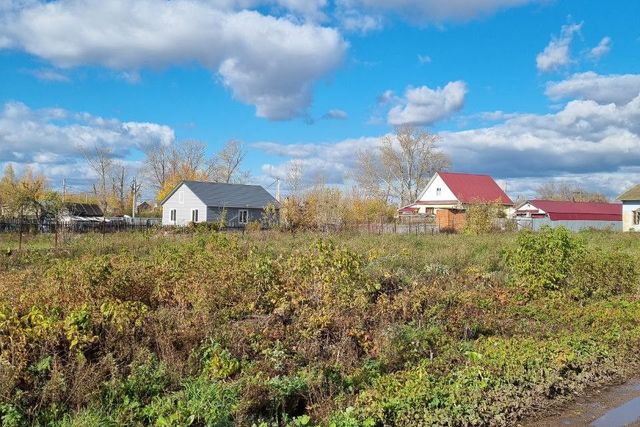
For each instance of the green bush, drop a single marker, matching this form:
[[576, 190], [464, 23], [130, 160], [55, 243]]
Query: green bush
[[544, 260], [602, 274], [199, 402]]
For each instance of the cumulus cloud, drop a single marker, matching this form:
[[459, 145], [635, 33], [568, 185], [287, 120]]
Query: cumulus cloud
[[595, 144], [429, 11], [557, 54], [425, 106], [616, 88], [583, 138], [601, 49], [330, 162], [266, 61], [54, 138]]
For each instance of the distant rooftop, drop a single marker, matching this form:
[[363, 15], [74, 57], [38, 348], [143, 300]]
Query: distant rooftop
[[631, 194]]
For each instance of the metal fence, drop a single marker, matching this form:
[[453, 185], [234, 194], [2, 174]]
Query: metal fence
[[113, 225]]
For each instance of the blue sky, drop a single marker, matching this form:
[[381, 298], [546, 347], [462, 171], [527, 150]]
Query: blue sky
[[524, 90]]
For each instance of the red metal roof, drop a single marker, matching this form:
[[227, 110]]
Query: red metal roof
[[470, 188], [584, 211]]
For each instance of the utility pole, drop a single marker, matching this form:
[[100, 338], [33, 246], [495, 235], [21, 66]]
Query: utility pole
[[278, 189], [134, 188]]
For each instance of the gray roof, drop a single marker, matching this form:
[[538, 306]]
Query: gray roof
[[217, 194], [631, 194]]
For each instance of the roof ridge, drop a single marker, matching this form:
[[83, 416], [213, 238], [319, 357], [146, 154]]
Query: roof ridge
[[574, 201], [221, 183], [466, 173]]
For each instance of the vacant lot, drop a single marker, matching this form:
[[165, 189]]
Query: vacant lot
[[273, 329]]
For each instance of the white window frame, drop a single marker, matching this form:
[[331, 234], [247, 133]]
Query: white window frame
[[173, 215], [636, 217], [246, 216], [438, 191], [196, 217]]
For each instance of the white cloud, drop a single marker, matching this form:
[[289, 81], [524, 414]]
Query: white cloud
[[617, 88], [602, 49], [597, 145], [424, 59], [352, 20], [53, 139], [336, 114], [429, 11], [425, 106], [265, 61], [557, 54], [333, 162], [49, 75]]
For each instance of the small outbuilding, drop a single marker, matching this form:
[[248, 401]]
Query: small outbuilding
[[82, 212], [575, 216], [197, 201], [631, 209]]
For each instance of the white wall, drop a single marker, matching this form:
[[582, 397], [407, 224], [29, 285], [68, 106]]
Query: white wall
[[529, 207], [430, 194], [183, 206], [627, 215]]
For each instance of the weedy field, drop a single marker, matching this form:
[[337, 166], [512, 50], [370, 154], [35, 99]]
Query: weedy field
[[205, 328]]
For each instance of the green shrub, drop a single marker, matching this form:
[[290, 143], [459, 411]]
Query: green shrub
[[603, 274], [199, 402], [543, 261], [481, 218], [408, 344]]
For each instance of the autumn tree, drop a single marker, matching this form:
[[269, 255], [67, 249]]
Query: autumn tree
[[568, 191], [22, 196], [7, 185], [182, 162], [225, 166], [401, 165]]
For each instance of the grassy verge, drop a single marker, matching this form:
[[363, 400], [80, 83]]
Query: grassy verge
[[273, 329]]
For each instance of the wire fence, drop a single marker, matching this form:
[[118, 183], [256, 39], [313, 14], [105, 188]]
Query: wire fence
[[108, 225]]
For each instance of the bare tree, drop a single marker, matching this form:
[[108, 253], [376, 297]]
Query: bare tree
[[225, 165], [400, 167], [188, 157], [100, 160], [566, 190], [294, 177], [158, 165], [119, 185]]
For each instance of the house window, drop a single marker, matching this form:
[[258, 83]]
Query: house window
[[173, 215], [438, 191], [636, 217], [194, 215], [181, 196], [243, 216]]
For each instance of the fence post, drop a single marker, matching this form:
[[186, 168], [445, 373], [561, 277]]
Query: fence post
[[20, 238]]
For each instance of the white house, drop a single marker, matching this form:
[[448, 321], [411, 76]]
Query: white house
[[448, 194], [631, 209], [195, 201]]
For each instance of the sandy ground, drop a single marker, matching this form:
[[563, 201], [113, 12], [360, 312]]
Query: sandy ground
[[615, 406]]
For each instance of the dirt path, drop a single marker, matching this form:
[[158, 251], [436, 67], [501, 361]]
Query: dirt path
[[615, 406]]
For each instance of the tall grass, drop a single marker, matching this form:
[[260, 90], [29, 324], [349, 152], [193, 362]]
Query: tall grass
[[268, 329]]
